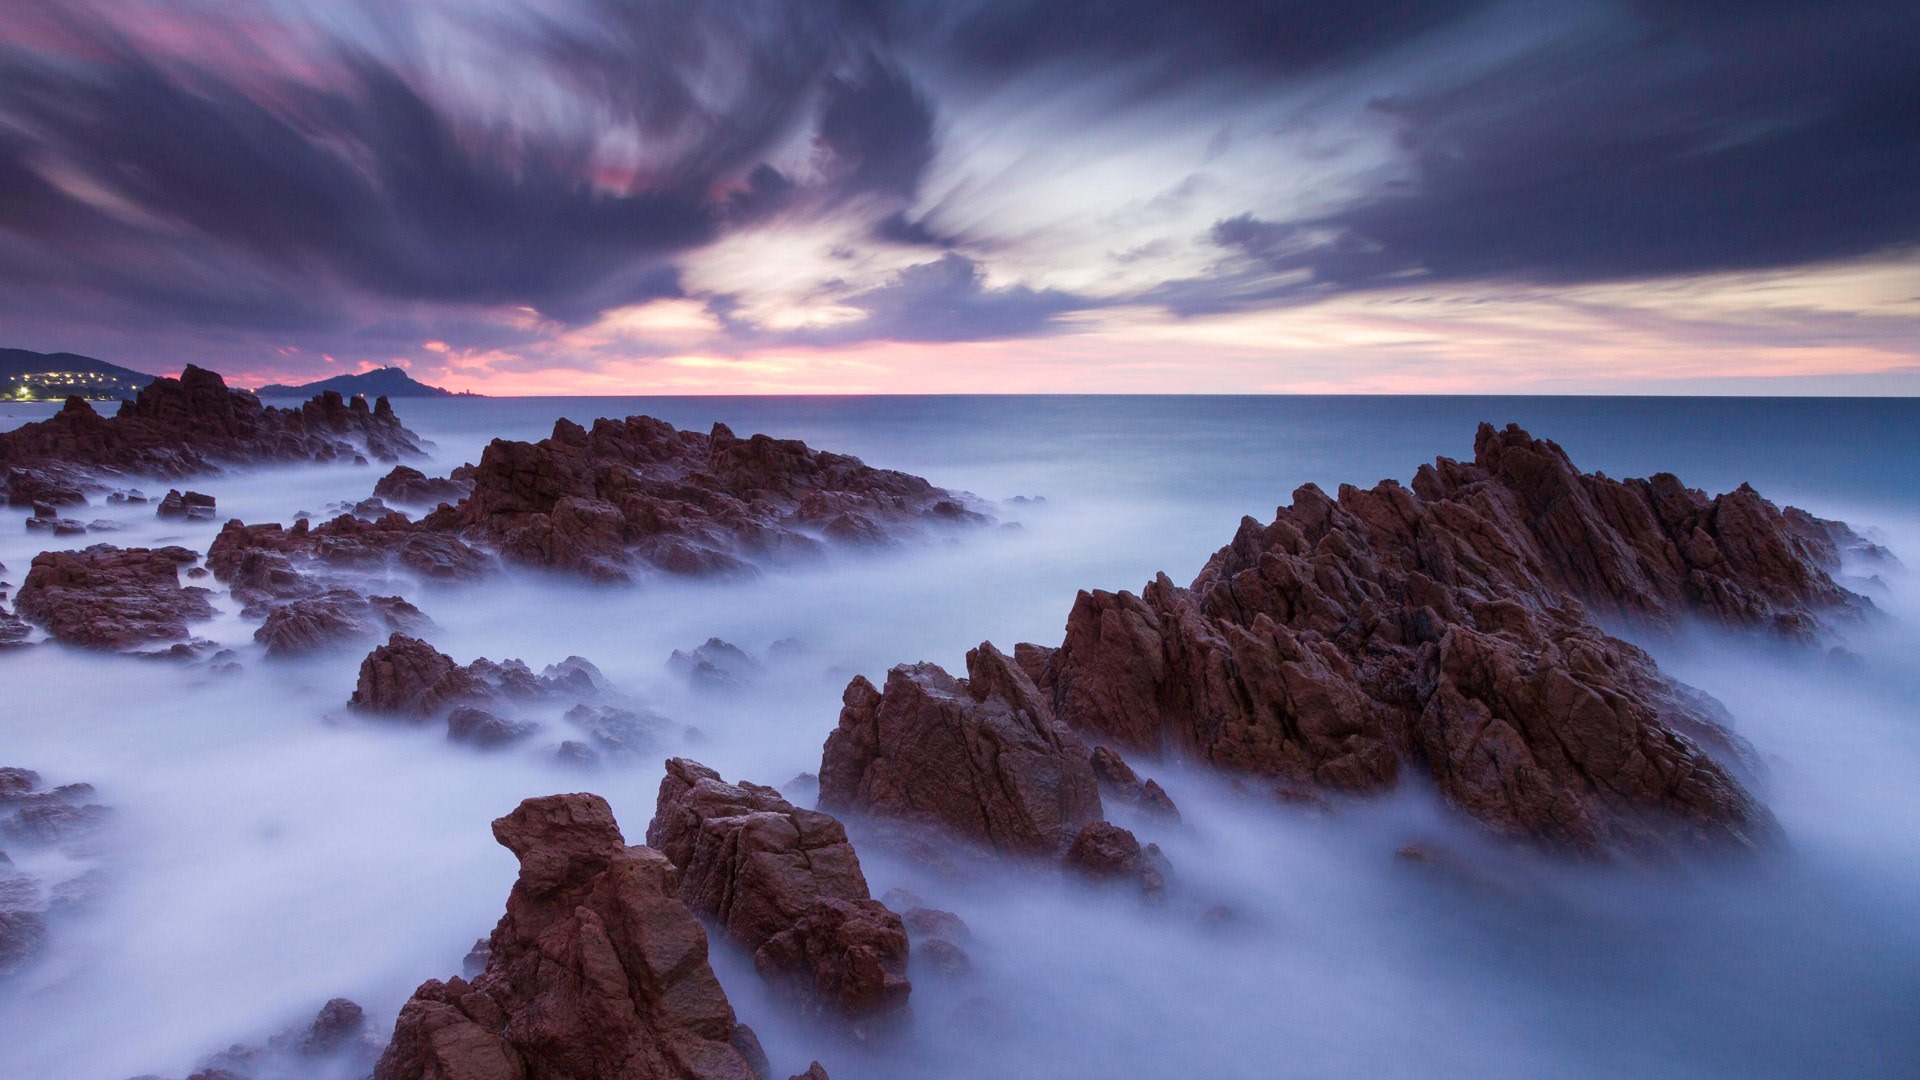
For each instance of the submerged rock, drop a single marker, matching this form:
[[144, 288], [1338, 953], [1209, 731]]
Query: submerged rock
[[111, 598], [409, 486], [982, 756], [596, 970], [786, 885]]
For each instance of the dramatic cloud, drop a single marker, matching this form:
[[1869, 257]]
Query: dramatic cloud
[[277, 185]]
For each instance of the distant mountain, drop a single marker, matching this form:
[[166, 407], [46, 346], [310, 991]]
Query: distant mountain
[[32, 376], [388, 381]]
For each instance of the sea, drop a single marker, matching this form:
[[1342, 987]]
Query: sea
[[268, 850]]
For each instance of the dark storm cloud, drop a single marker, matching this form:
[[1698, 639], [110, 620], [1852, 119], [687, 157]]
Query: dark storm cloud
[[948, 300], [1705, 137], [360, 187], [1190, 40], [188, 183]]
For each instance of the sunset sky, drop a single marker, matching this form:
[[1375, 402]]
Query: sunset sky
[[762, 196]]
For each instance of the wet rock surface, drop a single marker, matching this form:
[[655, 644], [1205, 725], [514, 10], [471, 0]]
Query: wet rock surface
[[639, 495], [596, 970], [786, 885], [106, 597], [1449, 628], [982, 757]]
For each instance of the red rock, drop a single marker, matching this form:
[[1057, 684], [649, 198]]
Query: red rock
[[194, 424], [639, 494], [814, 1072], [409, 486], [109, 598], [480, 728], [333, 620], [596, 970], [1448, 627], [23, 936], [1119, 782], [407, 677], [982, 756], [767, 871]]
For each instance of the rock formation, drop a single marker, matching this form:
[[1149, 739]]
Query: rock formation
[[981, 756], [408, 486], [596, 970], [1449, 628], [639, 493], [786, 885], [34, 816], [191, 425], [111, 598]]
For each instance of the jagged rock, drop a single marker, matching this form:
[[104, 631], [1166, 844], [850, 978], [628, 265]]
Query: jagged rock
[[23, 936], [30, 488], [1118, 781], [926, 922], [596, 970], [338, 1025], [194, 424], [407, 677], [409, 486], [478, 727], [716, 665], [982, 756], [617, 732], [1449, 626], [814, 1072], [343, 544], [335, 619], [109, 598], [16, 783], [53, 822], [14, 630], [637, 493], [768, 872], [1106, 853], [190, 505]]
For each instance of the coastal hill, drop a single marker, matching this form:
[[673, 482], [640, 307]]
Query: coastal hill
[[32, 376], [387, 381]]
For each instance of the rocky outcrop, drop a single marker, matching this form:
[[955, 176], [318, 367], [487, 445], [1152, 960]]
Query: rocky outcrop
[[408, 486], [335, 619], [982, 756], [35, 816], [715, 665], [1105, 853], [345, 545], [638, 495], [411, 679], [192, 425], [111, 598], [596, 970], [786, 886], [1449, 628], [188, 505], [1119, 783]]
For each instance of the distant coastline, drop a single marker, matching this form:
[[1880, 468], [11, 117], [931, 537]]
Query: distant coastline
[[31, 376], [387, 381]]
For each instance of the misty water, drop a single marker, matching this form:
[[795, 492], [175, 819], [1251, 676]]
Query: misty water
[[269, 850]]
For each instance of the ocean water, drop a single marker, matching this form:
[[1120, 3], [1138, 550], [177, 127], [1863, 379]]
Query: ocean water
[[269, 851]]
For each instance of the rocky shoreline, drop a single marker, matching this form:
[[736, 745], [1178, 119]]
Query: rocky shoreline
[[1462, 630]]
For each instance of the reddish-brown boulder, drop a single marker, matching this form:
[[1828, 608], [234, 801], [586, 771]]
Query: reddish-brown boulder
[[982, 756], [408, 486], [407, 677], [110, 598], [767, 871], [1449, 626], [596, 970], [333, 620]]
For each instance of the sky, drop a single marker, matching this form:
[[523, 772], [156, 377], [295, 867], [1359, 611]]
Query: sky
[[932, 196]]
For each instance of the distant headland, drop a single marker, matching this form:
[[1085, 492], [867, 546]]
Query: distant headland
[[32, 376], [387, 381]]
